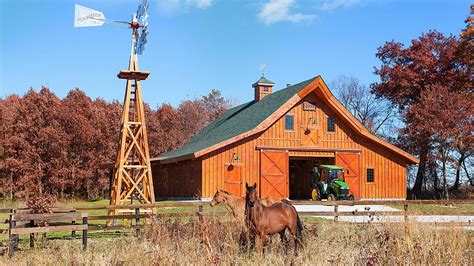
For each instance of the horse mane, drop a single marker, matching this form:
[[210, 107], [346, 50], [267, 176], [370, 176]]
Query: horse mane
[[225, 192]]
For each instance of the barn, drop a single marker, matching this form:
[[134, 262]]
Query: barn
[[275, 140]]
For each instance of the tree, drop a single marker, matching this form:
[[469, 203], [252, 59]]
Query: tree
[[375, 113], [193, 116], [431, 63], [215, 104]]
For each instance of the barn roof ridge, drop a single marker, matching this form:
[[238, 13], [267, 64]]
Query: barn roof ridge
[[252, 117]]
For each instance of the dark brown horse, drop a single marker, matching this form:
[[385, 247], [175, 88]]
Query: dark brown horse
[[265, 221]]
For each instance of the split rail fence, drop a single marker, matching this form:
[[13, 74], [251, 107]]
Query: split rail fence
[[135, 216]]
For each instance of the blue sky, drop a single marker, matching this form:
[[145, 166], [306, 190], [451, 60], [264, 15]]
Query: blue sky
[[198, 45]]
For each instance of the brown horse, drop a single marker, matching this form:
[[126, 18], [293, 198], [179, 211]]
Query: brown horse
[[266, 221], [236, 203]]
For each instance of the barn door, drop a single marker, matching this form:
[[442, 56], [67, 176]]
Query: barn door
[[233, 180], [351, 164], [274, 174]]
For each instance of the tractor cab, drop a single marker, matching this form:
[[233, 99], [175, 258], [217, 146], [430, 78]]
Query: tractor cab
[[328, 182]]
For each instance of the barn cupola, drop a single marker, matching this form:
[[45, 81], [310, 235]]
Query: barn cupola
[[262, 88]]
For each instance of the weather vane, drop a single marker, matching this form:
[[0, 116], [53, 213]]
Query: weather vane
[[262, 69]]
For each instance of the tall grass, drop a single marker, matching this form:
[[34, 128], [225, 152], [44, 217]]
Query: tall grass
[[214, 242]]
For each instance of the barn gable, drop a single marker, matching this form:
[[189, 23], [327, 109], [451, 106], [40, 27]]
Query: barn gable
[[256, 116]]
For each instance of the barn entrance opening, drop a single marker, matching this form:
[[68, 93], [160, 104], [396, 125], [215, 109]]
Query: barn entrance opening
[[300, 175]]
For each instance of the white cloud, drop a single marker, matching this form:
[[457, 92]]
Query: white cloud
[[171, 6], [279, 10], [329, 5], [203, 4]]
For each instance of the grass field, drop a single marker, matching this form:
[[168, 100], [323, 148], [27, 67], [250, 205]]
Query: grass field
[[178, 242]]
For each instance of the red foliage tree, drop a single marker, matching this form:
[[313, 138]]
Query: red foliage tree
[[418, 79], [66, 147]]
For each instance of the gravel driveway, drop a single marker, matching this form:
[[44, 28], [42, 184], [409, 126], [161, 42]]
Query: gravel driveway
[[375, 218]]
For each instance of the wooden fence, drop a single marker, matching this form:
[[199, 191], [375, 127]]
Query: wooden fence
[[21, 222]]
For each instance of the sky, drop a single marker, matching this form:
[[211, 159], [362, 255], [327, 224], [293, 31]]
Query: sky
[[195, 46]]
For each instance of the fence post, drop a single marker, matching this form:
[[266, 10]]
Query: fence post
[[137, 221], [11, 237], [405, 209], [32, 235], [336, 212], [200, 210], [73, 233], [84, 233]]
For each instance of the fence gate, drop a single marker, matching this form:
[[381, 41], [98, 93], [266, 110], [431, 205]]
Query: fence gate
[[274, 168]]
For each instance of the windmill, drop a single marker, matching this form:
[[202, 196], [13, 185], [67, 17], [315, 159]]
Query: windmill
[[132, 177]]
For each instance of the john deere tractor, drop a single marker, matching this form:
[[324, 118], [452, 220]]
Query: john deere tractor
[[328, 183]]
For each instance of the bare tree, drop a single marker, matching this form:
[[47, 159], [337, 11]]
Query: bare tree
[[376, 114]]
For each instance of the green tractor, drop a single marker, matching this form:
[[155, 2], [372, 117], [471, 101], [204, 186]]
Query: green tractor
[[328, 182]]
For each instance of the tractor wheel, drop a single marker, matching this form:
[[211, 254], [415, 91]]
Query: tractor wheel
[[331, 197], [352, 197], [315, 195]]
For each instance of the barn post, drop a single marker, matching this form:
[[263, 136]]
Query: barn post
[[336, 212]]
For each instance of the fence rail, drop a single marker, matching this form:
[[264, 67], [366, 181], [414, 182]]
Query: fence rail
[[22, 222]]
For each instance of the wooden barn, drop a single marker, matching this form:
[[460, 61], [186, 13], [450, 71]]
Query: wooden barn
[[275, 140]]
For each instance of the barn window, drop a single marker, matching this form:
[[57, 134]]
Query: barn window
[[289, 122], [266, 89], [331, 124], [370, 175]]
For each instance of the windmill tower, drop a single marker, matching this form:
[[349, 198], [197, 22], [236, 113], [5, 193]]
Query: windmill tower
[[132, 177]]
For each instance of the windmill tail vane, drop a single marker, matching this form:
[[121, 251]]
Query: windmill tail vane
[[88, 17]]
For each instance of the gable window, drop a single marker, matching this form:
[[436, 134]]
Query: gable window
[[266, 89], [331, 126], [370, 175], [289, 122]]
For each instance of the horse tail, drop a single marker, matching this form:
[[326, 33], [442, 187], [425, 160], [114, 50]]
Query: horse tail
[[299, 225]]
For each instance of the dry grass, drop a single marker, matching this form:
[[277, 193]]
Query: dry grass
[[177, 242]]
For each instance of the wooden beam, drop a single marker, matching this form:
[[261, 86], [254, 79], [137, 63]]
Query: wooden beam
[[49, 217], [48, 229], [135, 75], [305, 149]]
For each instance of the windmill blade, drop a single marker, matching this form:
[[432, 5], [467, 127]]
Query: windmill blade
[[87, 17], [142, 13], [142, 40]]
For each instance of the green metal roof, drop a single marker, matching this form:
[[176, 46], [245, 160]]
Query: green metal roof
[[264, 80], [236, 121], [331, 167]]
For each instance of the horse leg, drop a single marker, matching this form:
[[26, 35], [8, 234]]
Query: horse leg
[[295, 234], [284, 240], [243, 239], [264, 239]]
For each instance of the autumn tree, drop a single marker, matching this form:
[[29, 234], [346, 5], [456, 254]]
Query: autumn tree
[[410, 77], [66, 147]]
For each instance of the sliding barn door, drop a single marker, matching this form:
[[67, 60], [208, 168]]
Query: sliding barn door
[[274, 174], [351, 164]]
